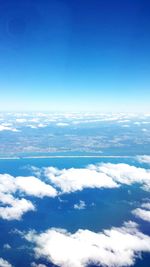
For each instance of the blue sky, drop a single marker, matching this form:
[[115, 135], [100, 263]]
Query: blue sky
[[75, 55]]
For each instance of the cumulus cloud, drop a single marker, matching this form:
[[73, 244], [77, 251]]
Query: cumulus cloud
[[35, 187], [125, 174], [80, 206], [70, 180], [13, 208], [106, 175], [143, 159], [114, 247], [143, 212], [4, 263]]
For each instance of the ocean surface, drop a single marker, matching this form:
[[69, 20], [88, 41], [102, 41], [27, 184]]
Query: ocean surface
[[105, 208]]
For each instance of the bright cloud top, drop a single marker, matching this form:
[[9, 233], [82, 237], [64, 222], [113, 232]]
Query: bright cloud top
[[80, 206], [70, 180], [115, 247], [13, 208], [143, 159], [4, 263], [143, 212], [35, 187], [106, 175]]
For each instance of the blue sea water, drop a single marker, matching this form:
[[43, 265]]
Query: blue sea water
[[105, 208]]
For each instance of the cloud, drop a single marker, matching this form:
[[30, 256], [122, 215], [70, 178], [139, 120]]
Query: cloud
[[16, 207], [4, 263], [143, 212], [70, 180], [13, 208], [62, 124], [143, 159], [33, 264], [7, 128], [35, 187], [80, 206], [114, 247], [122, 173], [105, 175]]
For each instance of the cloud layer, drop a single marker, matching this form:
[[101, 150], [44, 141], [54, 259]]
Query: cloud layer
[[115, 247]]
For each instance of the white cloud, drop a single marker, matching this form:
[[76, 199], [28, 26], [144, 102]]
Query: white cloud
[[70, 180], [80, 206], [13, 208], [143, 159], [106, 175], [35, 187], [125, 174], [114, 247], [143, 212], [62, 124], [7, 128], [33, 264], [4, 263]]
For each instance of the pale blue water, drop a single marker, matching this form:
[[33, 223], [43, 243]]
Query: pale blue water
[[111, 208]]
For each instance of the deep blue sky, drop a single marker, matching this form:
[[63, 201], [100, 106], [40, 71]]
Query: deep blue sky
[[75, 55]]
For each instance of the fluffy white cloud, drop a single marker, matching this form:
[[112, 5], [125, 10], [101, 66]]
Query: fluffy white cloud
[[144, 159], [15, 207], [106, 175], [12, 208], [125, 174], [114, 247], [70, 180], [143, 212], [80, 206], [35, 187], [4, 263]]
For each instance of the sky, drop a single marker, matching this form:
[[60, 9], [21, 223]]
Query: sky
[[77, 55]]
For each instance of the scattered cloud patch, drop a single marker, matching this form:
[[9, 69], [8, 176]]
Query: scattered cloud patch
[[35, 187], [143, 159], [122, 173], [4, 263], [114, 247], [15, 207], [105, 175], [12, 208], [143, 212], [7, 128], [33, 264], [80, 206], [62, 124], [70, 180]]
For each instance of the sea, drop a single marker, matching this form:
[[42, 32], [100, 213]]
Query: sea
[[105, 208]]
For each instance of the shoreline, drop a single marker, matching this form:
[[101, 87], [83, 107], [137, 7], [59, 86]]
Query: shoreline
[[65, 156]]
